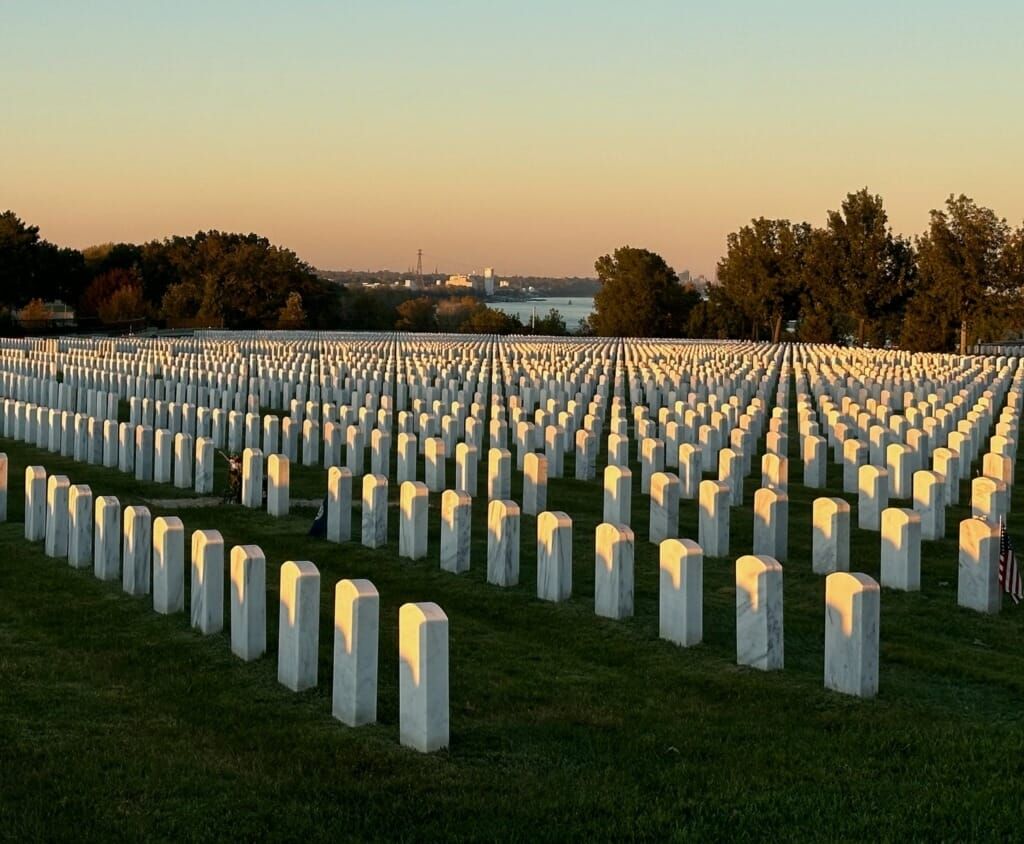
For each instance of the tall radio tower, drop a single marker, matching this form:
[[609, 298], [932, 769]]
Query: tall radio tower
[[419, 265]]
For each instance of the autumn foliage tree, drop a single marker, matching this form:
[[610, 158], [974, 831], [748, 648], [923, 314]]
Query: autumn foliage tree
[[292, 315], [126, 304]]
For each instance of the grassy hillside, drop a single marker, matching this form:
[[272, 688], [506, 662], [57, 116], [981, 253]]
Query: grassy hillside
[[119, 724]]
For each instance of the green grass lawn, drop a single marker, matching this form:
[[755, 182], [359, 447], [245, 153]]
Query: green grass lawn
[[119, 724]]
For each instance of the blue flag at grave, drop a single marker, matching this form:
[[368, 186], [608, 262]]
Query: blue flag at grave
[[319, 526]]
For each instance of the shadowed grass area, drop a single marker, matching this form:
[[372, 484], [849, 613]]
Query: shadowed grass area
[[119, 724]]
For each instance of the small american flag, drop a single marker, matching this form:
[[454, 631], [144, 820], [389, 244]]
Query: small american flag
[[1009, 572]]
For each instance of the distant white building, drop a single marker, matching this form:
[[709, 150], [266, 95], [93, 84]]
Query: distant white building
[[489, 281]]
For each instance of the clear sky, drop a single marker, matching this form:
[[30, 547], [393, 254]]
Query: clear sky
[[531, 136]]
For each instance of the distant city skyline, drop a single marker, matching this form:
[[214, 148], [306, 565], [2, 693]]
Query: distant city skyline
[[532, 137]]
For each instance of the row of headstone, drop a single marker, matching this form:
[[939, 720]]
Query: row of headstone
[[148, 556]]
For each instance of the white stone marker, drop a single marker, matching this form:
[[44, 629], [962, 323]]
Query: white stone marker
[[207, 581], [298, 629], [554, 436], [80, 529], [204, 465], [456, 530], [852, 610], [339, 504], [535, 483], [554, 556], [586, 445], [901, 549], [618, 495], [57, 516], [618, 450], [143, 453], [466, 469], [278, 485], [127, 436], [759, 639], [652, 459], [978, 574], [946, 462], [106, 552], [929, 501], [681, 592], [110, 443], [830, 535], [355, 447], [613, 571], [775, 472], [423, 677], [713, 518], [407, 450], [503, 543], [998, 466], [138, 548], [374, 520], [663, 522], [771, 524], [414, 500], [988, 499], [815, 458], [434, 464], [252, 478], [872, 496], [168, 565], [311, 443], [730, 472], [35, 503], [183, 459], [163, 452], [499, 474], [248, 601], [689, 471], [356, 637], [899, 461], [854, 455]]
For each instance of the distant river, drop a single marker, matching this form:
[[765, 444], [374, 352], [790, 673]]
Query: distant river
[[572, 308]]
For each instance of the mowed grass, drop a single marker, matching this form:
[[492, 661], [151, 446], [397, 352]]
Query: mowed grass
[[120, 724]]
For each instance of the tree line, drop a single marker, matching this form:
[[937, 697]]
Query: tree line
[[851, 281], [216, 279]]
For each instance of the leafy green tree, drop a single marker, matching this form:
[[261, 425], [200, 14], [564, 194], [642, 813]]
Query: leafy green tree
[[31, 267], [640, 296], [484, 320], [718, 316], [18, 248], [762, 272], [856, 269], [964, 266], [552, 325], [926, 326]]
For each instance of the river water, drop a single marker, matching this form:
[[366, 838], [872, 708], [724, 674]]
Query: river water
[[572, 308]]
